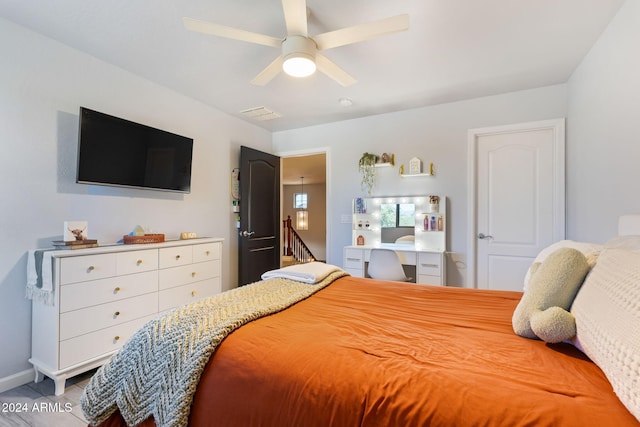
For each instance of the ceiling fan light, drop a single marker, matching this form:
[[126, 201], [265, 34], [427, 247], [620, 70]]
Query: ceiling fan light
[[299, 56], [299, 65]]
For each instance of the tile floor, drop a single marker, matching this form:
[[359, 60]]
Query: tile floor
[[36, 405]]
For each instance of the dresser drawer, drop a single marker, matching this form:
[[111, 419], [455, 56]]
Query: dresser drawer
[[206, 252], [355, 272], [175, 256], [84, 347], [87, 267], [406, 257], [90, 319], [85, 294], [177, 276], [423, 279], [136, 261], [354, 259], [186, 294], [429, 264]]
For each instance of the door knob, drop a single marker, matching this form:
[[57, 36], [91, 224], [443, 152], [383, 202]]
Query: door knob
[[246, 233], [483, 236]]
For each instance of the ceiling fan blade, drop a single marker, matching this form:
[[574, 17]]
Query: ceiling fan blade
[[295, 17], [229, 32], [359, 33], [328, 67], [268, 73]]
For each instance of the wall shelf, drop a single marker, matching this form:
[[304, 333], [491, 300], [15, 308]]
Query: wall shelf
[[383, 165], [413, 175]]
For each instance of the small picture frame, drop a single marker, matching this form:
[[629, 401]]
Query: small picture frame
[[415, 166], [75, 231]]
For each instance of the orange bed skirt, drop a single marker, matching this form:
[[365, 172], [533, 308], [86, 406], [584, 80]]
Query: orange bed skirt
[[363, 352]]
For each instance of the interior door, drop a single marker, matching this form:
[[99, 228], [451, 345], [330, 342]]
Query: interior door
[[259, 233], [520, 199]]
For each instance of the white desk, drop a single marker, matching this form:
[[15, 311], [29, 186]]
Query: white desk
[[430, 265]]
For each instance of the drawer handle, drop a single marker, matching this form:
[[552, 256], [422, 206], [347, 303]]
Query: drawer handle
[[207, 253], [116, 314], [177, 257], [139, 262], [193, 293], [193, 274], [116, 290], [429, 265], [91, 268], [116, 338], [353, 259]]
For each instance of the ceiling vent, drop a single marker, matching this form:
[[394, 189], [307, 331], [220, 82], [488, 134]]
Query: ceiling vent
[[260, 114]]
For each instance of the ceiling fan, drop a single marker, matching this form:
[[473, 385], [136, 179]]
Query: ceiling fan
[[300, 53]]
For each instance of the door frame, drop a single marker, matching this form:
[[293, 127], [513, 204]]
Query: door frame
[[559, 213], [307, 152]]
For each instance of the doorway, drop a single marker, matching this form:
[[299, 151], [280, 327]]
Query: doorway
[[516, 200], [306, 173]]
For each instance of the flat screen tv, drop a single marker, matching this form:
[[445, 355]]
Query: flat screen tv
[[118, 152]]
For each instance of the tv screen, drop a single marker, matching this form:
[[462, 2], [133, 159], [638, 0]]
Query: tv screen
[[118, 152]]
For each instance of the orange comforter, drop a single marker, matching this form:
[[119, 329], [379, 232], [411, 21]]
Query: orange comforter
[[363, 352]]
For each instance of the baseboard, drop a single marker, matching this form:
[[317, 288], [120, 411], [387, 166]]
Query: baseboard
[[16, 380]]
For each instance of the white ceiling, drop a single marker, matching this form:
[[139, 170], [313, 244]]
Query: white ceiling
[[312, 168], [454, 49]]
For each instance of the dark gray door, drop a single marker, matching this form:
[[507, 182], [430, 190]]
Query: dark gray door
[[259, 232]]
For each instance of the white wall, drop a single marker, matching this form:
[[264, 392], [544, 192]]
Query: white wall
[[42, 86], [603, 136], [435, 134]]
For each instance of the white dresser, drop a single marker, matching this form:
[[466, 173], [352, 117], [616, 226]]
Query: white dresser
[[430, 265], [103, 295]]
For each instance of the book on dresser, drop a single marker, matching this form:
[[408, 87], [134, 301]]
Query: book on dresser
[[75, 244]]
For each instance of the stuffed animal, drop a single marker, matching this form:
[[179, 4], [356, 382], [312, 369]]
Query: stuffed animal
[[543, 310]]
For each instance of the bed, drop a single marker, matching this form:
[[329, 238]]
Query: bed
[[364, 352]]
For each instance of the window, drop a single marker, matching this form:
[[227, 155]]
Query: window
[[388, 215], [394, 215], [300, 201], [406, 215]]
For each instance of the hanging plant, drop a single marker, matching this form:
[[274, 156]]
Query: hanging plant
[[367, 167]]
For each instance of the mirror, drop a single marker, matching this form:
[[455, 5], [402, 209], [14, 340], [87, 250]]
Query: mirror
[[400, 220], [397, 222]]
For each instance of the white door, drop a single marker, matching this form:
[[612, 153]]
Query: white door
[[518, 175]]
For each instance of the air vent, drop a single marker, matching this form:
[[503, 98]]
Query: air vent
[[260, 114]]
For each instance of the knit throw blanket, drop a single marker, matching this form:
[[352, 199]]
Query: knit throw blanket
[[40, 276], [158, 369]]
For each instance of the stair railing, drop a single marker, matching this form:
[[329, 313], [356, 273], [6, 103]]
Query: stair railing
[[294, 246]]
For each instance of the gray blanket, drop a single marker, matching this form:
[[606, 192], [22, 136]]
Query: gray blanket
[[157, 371]]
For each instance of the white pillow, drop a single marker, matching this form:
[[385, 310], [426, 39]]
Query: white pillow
[[590, 251], [607, 313], [631, 243]]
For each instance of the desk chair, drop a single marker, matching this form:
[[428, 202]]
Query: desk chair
[[384, 264]]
